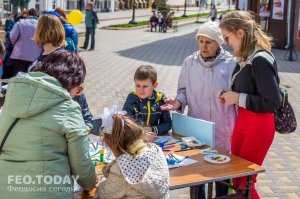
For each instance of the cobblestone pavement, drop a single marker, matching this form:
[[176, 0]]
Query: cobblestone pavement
[[110, 77]]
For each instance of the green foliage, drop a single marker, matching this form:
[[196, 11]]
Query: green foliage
[[128, 25], [165, 9], [162, 6], [144, 23]]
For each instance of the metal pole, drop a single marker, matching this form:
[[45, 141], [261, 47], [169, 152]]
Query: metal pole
[[184, 12], [133, 13], [292, 24]]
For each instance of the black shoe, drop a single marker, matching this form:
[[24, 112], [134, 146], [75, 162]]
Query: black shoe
[[83, 47], [91, 49]]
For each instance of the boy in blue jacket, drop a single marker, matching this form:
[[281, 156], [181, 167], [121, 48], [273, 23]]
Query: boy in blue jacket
[[144, 103]]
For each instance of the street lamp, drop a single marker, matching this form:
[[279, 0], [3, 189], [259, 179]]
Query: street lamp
[[184, 12], [132, 21]]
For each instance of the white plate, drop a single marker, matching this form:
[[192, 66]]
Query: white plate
[[223, 158], [191, 141]]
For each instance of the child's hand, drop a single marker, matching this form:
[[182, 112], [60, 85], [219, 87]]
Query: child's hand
[[171, 104], [149, 137], [98, 180], [148, 129], [106, 171]]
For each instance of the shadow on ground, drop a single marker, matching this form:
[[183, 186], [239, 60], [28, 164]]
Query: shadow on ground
[[285, 66], [170, 51], [173, 51]]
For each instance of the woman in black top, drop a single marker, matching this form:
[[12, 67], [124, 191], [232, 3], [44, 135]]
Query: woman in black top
[[254, 89]]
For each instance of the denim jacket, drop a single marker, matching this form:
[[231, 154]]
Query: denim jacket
[[87, 115], [147, 112]]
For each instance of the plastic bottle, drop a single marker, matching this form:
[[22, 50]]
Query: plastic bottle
[[101, 155]]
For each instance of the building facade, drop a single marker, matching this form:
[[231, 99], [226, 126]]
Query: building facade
[[278, 17], [100, 5]]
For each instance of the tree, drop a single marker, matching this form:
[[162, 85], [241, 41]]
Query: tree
[[162, 6]]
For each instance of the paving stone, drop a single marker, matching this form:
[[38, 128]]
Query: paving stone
[[110, 70]]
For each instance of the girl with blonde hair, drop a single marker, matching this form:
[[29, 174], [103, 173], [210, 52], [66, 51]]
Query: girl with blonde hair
[[139, 170], [254, 89]]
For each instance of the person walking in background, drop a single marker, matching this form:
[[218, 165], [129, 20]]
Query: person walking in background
[[213, 12], [23, 4], [25, 50], [9, 24], [160, 22], [15, 6], [154, 7], [91, 21], [204, 75], [7, 67], [254, 90], [153, 22]]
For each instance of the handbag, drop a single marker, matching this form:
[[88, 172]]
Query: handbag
[[285, 119]]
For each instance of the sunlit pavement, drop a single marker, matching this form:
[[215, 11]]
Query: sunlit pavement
[[110, 70]]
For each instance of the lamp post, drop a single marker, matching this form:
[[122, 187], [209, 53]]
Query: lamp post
[[184, 11], [132, 21]]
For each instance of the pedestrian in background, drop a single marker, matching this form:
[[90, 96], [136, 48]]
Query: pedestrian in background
[[25, 50], [7, 67], [254, 90], [91, 21], [213, 12]]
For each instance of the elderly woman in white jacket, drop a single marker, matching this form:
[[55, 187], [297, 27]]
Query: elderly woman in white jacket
[[204, 75]]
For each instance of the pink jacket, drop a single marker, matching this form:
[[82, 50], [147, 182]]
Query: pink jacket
[[199, 86]]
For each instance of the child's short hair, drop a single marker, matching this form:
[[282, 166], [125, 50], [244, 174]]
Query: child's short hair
[[124, 133], [146, 72], [50, 30]]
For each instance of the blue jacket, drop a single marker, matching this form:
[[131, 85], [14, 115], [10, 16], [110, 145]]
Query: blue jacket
[[147, 112], [87, 115], [71, 32], [69, 29], [9, 24], [91, 19]]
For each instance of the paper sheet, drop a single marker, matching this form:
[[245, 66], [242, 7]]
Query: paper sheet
[[165, 139], [185, 162]]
